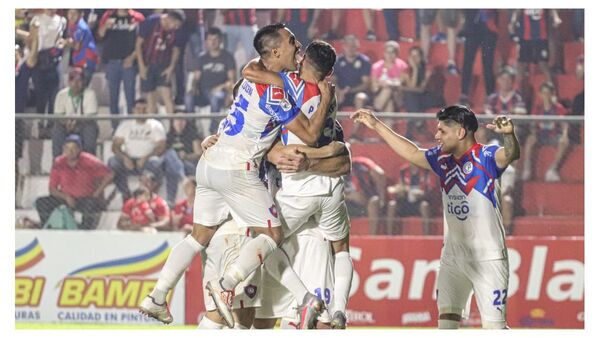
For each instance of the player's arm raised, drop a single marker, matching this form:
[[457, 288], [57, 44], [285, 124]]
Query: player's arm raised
[[511, 150], [400, 144], [309, 130], [256, 72]]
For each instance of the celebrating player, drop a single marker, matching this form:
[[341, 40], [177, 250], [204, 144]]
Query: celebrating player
[[228, 182], [474, 256], [304, 195]]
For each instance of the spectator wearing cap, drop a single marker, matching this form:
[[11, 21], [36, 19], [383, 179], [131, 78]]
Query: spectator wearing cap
[[77, 180], [140, 145], [159, 43], [75, 100], [146, 210]]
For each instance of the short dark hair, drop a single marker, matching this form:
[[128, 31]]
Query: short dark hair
[[322, 56], [214, 31], [461, 115], [140, 100], [177, 14], [267, 37]]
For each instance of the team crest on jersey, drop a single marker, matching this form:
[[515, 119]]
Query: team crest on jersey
[[250, 290], [285, 104], [468, 168], [273, 210]]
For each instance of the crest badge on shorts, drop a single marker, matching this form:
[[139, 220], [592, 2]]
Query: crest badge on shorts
[[468, 168], [273, 210], [250, 290]]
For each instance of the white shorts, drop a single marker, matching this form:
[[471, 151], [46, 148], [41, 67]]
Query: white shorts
[[331, 213], [222, 252], [239, 192], [311, 258], [457, 279]]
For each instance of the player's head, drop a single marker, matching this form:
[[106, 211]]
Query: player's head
[[457, 124], [213, 39], [319, 58], [277, 45], [174, 19]]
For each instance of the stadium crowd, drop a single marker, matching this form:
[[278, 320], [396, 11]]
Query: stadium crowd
[[185, 61]]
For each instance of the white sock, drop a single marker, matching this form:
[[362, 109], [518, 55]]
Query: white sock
[[446, 324], [179, 259], [279, 267], [494, 325], [342, 272], [252, 255], [238, 326], [207, 324]]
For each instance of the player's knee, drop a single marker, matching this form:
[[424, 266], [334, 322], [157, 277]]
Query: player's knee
[[449, 321], [203, 234], [494, 325]]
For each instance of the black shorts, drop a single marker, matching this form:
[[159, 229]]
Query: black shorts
[[533, 51], [154, 79]]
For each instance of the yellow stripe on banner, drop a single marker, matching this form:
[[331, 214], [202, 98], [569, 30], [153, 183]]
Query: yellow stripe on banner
[[127, 269], [28, 257]]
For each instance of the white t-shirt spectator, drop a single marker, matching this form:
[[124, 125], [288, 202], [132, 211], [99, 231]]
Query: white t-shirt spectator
[[140, 138], [66, 104], [51, 29]]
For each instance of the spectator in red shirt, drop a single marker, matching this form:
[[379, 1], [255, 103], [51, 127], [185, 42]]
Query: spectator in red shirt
[[77, 179], [146, 210], [182, 215], [547, 133]]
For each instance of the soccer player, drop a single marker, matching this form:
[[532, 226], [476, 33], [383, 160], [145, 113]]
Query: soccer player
[[304, 195], [474, 256], [228, 182]]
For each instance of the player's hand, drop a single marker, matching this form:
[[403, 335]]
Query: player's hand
[[293, 163], [327, 90], [209, 141], [366, 117], [502, 125]]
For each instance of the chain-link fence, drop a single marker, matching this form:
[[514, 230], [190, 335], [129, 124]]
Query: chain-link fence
[[143, 168]]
